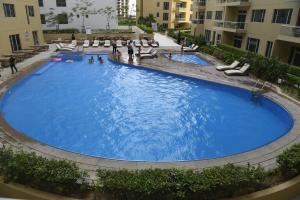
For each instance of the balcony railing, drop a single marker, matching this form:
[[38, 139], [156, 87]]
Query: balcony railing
[[180, 19], [200, 2], [234, 2], [180, 9], [198, 21], [231, 26], [290, 33]]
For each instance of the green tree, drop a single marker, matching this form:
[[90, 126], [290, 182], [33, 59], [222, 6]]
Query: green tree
[[53, 19], [109, 13]]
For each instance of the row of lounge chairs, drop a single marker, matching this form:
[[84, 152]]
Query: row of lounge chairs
[[234, 68]]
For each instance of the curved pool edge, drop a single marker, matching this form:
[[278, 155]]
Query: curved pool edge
[[265, 156]]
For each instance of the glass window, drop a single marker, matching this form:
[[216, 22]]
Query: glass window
[[41, 3], [269, 49], [35, 38], [157, 4], [258, 16], [9, 10], [165, 25], [282, 16], [209, 15], [165, 16], [61, 3], [43, 19], [237, 41], [157, 14], [253, 45], [219, 15], [166, 5], [30, 11], [207, 34], [15, 42]]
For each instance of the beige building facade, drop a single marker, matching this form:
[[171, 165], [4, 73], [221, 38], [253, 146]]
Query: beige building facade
[[268, 27], [20, 25], [168, 13]]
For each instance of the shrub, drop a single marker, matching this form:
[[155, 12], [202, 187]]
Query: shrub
[[71, 30], [59, 176], [213, 183], [289, 162], [145, 28]]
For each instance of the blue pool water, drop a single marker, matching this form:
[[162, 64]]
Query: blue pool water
[[189, 58], [121, 112]]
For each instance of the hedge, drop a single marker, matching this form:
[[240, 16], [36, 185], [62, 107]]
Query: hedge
[[289, 162], [145, 28], [213, 183], [58, 176], [71, 30]]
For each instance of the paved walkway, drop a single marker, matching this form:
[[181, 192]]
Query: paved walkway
[[165, 41]]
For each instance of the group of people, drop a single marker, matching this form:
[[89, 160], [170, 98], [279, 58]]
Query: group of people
[[99, 58]]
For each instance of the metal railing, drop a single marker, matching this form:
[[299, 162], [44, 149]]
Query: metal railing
[[200, 2], [232, 1], [179, 19], [231, 25], [292, 31], [198, 21]]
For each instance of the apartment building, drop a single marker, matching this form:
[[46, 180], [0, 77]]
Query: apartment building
[[93, 20], [268, 27], [20, 25], [168, 13], [123, 8]]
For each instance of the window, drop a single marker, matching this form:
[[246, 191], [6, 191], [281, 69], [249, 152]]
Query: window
[[157, 14], [269, 49], [219, 15], [35, 38], [165, 25], [63, 18], [9, 10], [209, 15], [282, 16], [61, 3], [15, 42], [30, 11], [166, 5], [207, 34], [43, 19], [258, 15], [237, 41], [157, 4], [41, 3], [253, 45], [165, 16]]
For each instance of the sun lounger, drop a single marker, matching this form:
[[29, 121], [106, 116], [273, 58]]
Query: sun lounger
[[137, 43], [107, 43], [86, 43], [145, 43], [74, 43], [60, 48], [96, 43], [119, 43], [191, 49], [67, 46], [240, 71], [149, 55], [234, 65], [147, 51]]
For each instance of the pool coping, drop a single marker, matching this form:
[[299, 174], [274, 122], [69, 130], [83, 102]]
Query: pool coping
[[264, 156]]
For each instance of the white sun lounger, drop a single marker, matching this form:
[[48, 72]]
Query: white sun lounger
[[137, 43], [60, 48], [74, 43], [147, 51], [154, 44], [96, 43], [67, 46], [241, 71], [119, 43], [107, 43], [149, 55], [86, 43], [234, 65], [191, 49], [145, 43]]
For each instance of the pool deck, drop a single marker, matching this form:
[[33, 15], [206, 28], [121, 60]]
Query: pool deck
[[264, 156]]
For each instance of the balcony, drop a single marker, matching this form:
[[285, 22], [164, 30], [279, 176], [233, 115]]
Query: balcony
[[234, 27], [180, 9], [198, 21], [289, 34], [200, 4], [237, 3], [180, 20]]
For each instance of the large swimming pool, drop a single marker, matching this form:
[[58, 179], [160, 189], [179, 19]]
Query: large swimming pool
[[121, 112]]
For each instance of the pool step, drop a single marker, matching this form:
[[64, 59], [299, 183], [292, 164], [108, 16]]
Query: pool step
[[44, 68]]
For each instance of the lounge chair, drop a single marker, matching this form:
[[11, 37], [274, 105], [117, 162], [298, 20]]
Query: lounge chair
[[241, 71], [67, 46], [137, 43], [107, 43], [147, 51], [119, 43], [234, 65], [96, 43], [149, 55], [86, 43], [74, 43], [60, 48], [145, 43], [191, 49]]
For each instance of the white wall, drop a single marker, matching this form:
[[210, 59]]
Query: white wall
[[94, 21]]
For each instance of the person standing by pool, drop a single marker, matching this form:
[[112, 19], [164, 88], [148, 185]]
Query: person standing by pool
[[130, 52], [12, 63], [114, 45], [170, 56]]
